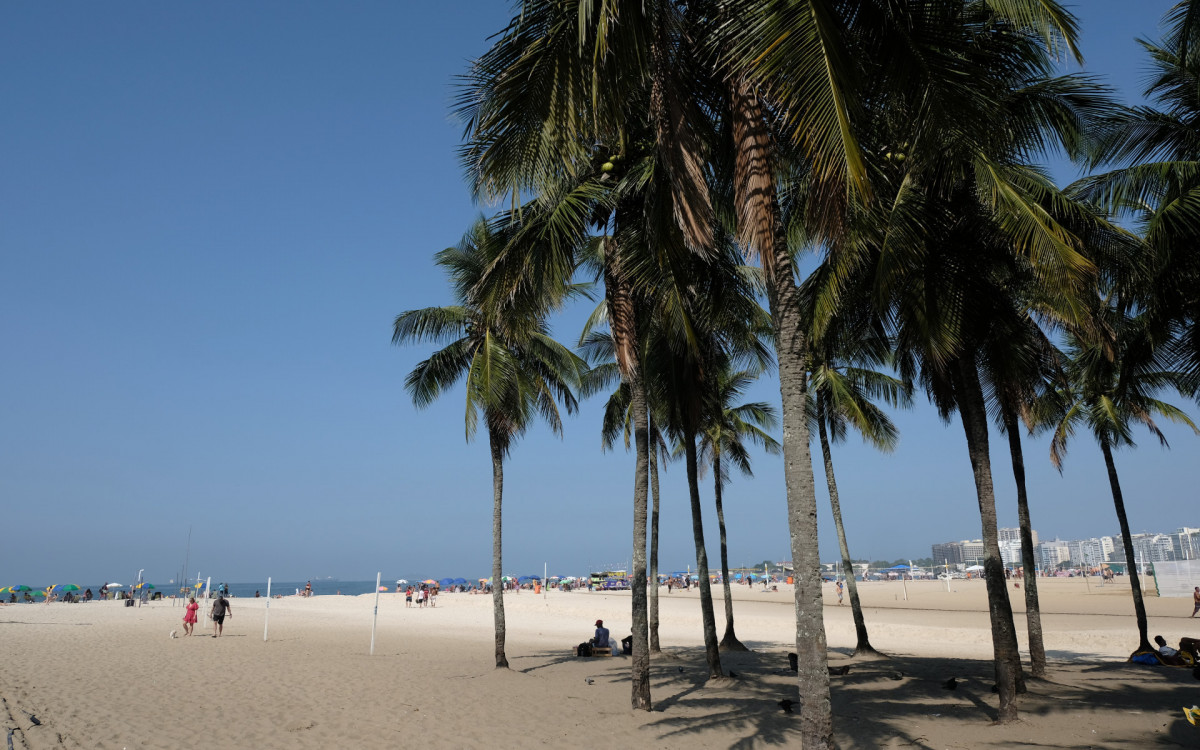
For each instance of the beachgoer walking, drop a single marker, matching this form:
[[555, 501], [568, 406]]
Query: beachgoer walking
[[433, 597], [408, 597], [189, 617], [1196, 601], [308, 589], [840, 587], [220, 610]]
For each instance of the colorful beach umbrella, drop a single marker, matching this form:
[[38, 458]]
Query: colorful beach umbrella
[[39, 593], [58, 588], [16, 589]]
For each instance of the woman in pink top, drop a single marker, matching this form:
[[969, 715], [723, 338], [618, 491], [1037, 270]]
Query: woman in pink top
[[189, 617]]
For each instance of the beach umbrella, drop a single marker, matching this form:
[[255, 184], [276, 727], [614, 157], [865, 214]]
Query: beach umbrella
[[60, 587], [460, 581], [144, 586], [39, 593], [16, 589], [402, 581], [120, 585], [430, 581]]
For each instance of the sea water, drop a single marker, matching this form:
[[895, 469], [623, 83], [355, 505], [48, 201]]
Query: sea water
[[320, 587]]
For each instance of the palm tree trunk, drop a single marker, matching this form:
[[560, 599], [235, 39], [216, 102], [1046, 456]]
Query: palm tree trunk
[[759, 230], [641, 653], [729, 641], [1004, 635], [496, 443], [1135, 583], [622, 317], [863, 645], [1033, 610], [653, 598], [711, 649]]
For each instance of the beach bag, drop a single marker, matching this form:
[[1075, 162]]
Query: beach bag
[[583, 649]]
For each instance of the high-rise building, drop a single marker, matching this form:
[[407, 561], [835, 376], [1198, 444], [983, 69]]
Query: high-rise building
[[1185, 543], [950, 552], [1051, 554], [1010, 553], [972, 552], [1014, 535]]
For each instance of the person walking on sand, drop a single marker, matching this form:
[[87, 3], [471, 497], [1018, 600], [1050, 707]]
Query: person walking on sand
[[220, 609], [840, 587], [1196, 601], [189, 617]]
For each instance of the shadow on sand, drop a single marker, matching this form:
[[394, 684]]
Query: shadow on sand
[[901, 702]]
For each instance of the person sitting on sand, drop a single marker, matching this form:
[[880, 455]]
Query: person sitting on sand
[[1169, 655], [600, 640], [1190, 647]]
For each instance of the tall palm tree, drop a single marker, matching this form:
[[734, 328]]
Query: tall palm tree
[[724, 442], [1018, 359], [513, 370], [1155, 150], [1112, 378], [810, 60], [960, 214], [553, 100], [842, 387], [598, 350]]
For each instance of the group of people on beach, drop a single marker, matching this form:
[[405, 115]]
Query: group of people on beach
[[221, 608], [426, 595]]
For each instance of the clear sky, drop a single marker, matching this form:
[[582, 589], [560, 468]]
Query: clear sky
[[210, 214]]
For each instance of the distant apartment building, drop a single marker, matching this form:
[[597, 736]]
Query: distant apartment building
[[948, 552], [1010, 552], [1185, 543], [1147, 549], [963, 554], [1014, 535], [1050, 555], [972, 552]]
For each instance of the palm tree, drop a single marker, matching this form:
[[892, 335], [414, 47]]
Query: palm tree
[[961, 218], [841, 388], [723, 442], [600, 354], [1112, 376], [1156, 183], [513, 370], [1018, 360], [797, 58]]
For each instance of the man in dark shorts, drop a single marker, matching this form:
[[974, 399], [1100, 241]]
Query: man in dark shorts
[[220, 609]]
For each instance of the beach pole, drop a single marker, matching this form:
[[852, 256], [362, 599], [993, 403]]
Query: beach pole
[[207, 586], [375, 617], [947, 562], [545, 570], [267, 614]]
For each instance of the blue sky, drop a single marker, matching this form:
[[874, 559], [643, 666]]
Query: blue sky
[[211, 214]]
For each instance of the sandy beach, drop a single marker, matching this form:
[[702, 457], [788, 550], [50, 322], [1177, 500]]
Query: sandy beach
[[101, 675]]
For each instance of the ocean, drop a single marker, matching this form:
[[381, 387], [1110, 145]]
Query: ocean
[[321, 587]]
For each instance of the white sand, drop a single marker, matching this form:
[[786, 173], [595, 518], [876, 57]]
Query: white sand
[[100, 675]]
